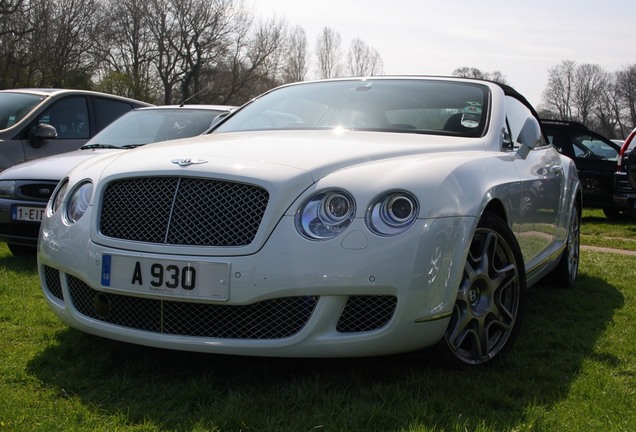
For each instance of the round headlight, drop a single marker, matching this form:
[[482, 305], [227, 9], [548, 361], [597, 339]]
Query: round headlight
[[78, 201], [392, 214], [325, 215], [58, 195]]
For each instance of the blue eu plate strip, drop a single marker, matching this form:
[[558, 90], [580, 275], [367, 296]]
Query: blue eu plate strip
[[106, 270]]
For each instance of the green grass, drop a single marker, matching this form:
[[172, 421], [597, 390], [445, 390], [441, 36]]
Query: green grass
[[597, 230], [572, 369]]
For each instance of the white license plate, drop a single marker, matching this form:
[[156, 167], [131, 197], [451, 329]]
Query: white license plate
[[25, 213], [176, 278]]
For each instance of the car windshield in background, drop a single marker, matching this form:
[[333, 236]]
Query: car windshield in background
[[154, 125], [14, 106], [380, 105]]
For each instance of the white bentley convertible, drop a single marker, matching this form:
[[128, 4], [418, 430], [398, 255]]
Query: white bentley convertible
[[349, 217]]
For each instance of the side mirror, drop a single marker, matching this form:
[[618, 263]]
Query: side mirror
[[530, 137], [220, 117], [45, 131]]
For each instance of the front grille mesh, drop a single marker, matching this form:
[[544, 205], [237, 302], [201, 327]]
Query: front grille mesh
[[182, 211], [366, 312], [269, 319], [52, 281]]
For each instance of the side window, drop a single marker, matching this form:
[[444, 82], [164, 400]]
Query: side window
[[524, 127], [587, 146], [561, 142], [107, 110], [69, 116]]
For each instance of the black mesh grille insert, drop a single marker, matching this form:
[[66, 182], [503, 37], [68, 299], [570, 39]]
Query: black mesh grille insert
[[269, 319], [52, 281], [366, 312], [183, 211]]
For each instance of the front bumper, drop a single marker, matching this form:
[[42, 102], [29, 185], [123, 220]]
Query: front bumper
[[19, 232], [624, 195], [356, 295]]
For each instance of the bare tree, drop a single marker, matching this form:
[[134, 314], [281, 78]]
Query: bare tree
[[559, 93], [205, 28], [626, 83], [363, 60], [608, 111], [296, 67], [589, 84], [126, 45], [328, 53], [168, 62], [256, 62], [15, 52], [472, 72], [61, 42]]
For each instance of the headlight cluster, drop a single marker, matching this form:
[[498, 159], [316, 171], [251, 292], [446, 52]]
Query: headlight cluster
[[328, 213], [77, 200], [392, 214], [7, 189]]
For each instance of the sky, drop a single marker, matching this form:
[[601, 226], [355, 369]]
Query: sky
[[522, 39]]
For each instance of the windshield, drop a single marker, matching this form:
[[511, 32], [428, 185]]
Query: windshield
[[15, 106], [153, 125], [384, 105]]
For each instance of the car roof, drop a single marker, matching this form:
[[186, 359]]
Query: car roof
[[564, 124], [57, 92]]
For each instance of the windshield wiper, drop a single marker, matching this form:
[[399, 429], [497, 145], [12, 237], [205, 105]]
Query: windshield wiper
[[99, 146], [109, 146]]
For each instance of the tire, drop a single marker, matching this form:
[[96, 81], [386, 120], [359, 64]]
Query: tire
[[566, 272], [491, 298]]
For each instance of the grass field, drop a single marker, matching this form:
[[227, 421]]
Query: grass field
[[572, 369]]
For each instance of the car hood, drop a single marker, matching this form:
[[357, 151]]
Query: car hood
[[285, 163], [51, 167], [262, 154]]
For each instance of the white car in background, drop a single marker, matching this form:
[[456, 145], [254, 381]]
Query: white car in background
[[350, 217], [26, 188]]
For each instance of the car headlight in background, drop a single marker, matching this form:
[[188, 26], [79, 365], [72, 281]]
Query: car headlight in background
[[7, 189], [325, 215], [392, 214], [78, 201]]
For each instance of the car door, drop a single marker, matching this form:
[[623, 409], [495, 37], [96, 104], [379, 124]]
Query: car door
[[541, 184], [595, 158], [70, 117]]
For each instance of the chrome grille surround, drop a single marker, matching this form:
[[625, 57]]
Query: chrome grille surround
[[182, 211], [269, 319]]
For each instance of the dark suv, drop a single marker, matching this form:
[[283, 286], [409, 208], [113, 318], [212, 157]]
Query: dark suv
[[625, 175], [595, 158]]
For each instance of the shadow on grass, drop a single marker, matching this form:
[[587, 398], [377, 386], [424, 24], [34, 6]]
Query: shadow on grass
[[181, 390], [627, 223]]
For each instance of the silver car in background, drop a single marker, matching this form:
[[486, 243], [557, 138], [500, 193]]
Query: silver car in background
[[35, 123], [26, 188]]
